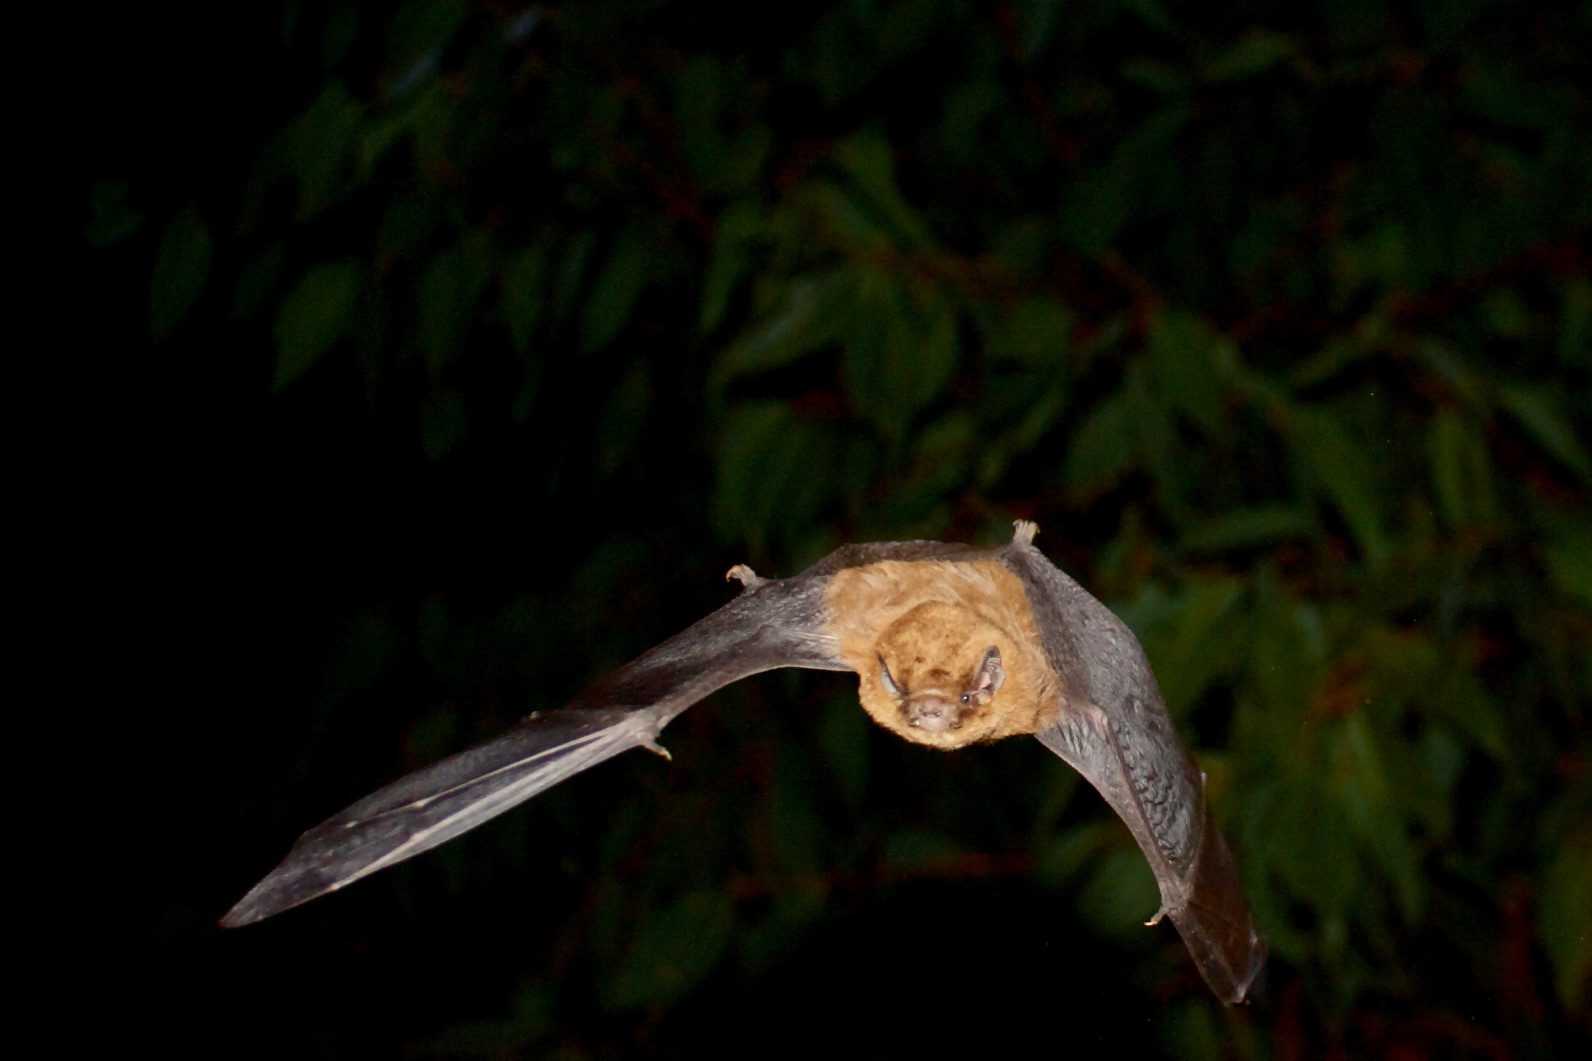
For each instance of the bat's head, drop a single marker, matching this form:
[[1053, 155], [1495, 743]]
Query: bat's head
[[939, 676]]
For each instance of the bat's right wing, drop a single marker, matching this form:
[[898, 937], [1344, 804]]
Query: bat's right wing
[[1114, 730], [773, 623], [1135, 760]]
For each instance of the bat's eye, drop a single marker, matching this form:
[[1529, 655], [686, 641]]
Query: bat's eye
[[966, 699], [889, 683]]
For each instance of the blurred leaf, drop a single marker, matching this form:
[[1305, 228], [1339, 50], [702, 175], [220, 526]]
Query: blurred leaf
[[843, 735], [1565, 923], [908, 850], [1102, 450], [1035, 334], [1180, 351], [895, 362], [1246, 528], [671, 951], [613, 295], [1364, 785], [181, 268], [1322, 445], [1119, 893], [444, 424], [315, 314], [449, 290], [805, 321], [1569, 560], [1575, 334], [1461, 472], [524, 286], [765, 471], [1254, 53], [1538, 412], [320, 146], [1195, 643], [737, 228], [1152, 14], [257, 280], [866, 160], [416, 35], [624, 418], [112, 217]]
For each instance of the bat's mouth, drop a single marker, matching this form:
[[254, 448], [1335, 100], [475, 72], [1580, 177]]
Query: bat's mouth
[[932, 711]]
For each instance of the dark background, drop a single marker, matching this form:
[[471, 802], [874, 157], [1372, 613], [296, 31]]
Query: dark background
[[445, 356]]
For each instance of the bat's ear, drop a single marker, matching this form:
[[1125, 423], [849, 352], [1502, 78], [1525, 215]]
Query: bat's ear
[[885, 676], [989, 675]]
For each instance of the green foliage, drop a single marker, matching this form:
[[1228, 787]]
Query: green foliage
[[1278, 322]]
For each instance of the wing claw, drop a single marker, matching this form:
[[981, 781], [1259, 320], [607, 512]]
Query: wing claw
[[744, 575]]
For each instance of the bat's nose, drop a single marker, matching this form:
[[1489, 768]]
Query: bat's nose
[[933, 711]]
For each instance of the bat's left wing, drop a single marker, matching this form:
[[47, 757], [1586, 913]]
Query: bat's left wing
[[1114, 730], [773, 623]]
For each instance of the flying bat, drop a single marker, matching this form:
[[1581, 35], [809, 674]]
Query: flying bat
[[953, 645]]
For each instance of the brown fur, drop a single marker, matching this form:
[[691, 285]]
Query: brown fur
[[932, 622]]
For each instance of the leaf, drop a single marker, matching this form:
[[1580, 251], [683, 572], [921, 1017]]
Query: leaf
[[315, 315], [672, 950], [320, 146], [613, 297], [1254, 53], [1569, 562], [766, 479], [1102, 450], [1575, 330], [417, 33], [1536, 410], [1339, 465], [866, 159], [894, 363], [1182, 357], [1461, 471], [843, 735], [449, 290], [911, 850], [1246, 528], [112, 217], [524, 286], [1036, 333], [805, 321], [1198, 643], [1364, 785], [181, 267], [738, 227], [443, 425], [1565, 922]]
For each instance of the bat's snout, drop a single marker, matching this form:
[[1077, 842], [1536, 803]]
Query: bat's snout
[[933, 711]]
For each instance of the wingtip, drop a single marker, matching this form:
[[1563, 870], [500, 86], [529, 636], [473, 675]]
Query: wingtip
[[1253, 989], [246, 911]]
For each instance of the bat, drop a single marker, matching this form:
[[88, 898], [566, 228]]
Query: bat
[[953, 645]]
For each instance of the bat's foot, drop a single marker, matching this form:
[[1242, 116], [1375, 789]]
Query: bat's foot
[[1156, 920], [653, 746], [1024, 531], [745, 575]]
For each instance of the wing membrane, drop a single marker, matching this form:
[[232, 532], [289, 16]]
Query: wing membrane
[[771, 624]]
